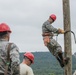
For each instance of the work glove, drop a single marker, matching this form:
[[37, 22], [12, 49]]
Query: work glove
[[61, 31]]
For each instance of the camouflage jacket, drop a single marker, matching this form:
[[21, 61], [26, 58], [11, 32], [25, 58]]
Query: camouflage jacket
[[14, 56], [47, 27]]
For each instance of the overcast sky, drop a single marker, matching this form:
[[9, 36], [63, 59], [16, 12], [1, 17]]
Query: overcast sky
[[25, 18]]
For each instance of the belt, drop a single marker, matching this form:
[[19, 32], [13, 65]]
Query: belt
[[1, 73], [47, 34]]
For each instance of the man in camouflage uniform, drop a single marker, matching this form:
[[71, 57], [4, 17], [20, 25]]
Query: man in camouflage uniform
[[13, 68], [48, 32]]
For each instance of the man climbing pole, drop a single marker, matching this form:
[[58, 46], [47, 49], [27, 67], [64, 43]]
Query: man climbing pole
[[48, 32]]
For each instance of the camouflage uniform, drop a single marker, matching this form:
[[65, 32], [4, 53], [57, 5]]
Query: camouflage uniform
[[48, 32], [53, 45], [14, 56]]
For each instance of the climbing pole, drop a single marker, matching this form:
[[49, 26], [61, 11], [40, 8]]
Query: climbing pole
[[67, 36]]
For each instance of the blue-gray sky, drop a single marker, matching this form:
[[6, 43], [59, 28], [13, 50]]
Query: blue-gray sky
[[25, 17]]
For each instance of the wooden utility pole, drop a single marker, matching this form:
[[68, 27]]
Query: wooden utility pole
[[67, 36]]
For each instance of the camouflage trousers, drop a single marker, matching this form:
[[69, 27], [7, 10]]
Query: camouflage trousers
[[54, 47]]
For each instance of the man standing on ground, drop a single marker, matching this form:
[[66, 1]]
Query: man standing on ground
[[13, 64], [48, 32], [25, 68]]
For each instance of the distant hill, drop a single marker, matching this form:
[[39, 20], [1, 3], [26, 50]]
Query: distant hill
[[46, 64]]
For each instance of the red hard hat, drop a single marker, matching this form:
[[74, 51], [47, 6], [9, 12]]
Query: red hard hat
[[53, 17], [30, 56], [4, 27]]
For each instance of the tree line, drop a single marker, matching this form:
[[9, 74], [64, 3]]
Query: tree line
[[46, 64]]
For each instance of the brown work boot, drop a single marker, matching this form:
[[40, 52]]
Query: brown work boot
[[64, 62], [62, 65], [60, 62]]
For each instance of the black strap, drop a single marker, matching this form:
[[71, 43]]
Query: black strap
[[72, 33], [8, 59], [67, 32]]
